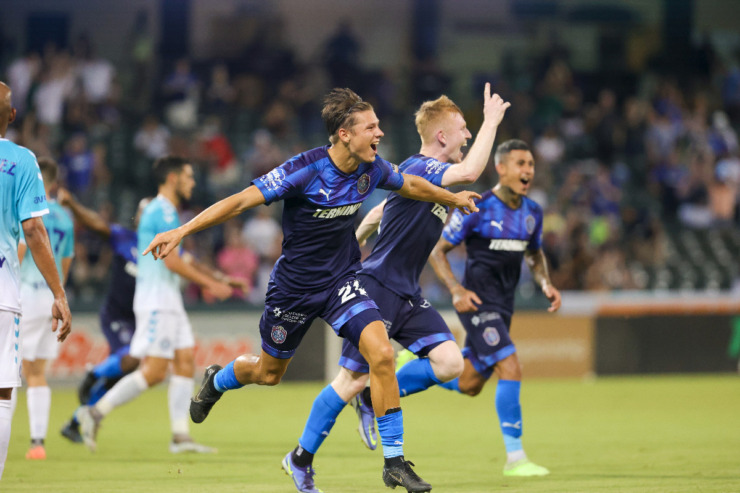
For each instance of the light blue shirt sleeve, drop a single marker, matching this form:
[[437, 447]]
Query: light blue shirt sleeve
[[31, 198]]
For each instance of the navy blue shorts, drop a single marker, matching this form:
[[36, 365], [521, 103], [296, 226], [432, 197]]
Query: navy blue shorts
[[288, 315], [117, 331], [414, 323], [487, 341]]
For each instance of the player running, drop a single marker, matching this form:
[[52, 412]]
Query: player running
[[507, 229], [316, 276], [391, 273]]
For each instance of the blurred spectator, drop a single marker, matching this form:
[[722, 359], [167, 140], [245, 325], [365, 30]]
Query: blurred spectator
[[22, 72], [220, 94], [216, 152], [236, 259], [180, 91], [342, 56], [76, 168], [152, 139]]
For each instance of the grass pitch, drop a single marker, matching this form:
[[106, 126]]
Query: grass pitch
[[637, 434]]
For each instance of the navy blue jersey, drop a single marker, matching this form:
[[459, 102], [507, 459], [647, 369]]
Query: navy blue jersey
[[408, 232], [321, 202], [496, 238], [119, 302]]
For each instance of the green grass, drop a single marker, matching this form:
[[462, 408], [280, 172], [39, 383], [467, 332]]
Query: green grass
[[640, 434]]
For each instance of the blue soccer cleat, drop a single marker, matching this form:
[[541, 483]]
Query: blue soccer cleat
[[366, 417], [302, 476]]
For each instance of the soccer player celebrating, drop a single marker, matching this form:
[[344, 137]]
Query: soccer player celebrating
[[507, 228], [316, 275], [117, 312], [38, 344], [391, 273], [23, 203], [163, 333]]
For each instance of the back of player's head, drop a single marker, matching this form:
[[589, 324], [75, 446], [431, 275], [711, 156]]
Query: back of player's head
[[430, 113], [6, 107], [166, 165], [49, 170], [339, 107], [506, 147]]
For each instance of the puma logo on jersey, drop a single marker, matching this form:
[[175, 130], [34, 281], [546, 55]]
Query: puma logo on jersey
[[345, 210], [321, 190], [499, 225]]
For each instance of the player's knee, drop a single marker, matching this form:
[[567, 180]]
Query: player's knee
[[450, 368], [383, 357]]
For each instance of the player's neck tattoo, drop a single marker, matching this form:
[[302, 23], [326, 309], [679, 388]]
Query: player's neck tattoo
[[508, 196]]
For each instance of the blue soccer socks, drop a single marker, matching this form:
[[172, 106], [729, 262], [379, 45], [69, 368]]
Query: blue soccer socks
[[110, 367], [453, 385], [415, 376], [509, 413], [225, 379], [390, 428], [326, 407]]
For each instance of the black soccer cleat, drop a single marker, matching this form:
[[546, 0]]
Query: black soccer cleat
[[403, 475], [207, 395], [83, 392], [71, 431]]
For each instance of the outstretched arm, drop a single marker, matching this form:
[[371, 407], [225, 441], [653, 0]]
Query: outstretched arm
[[472, 166], [234, 282], [463, 299], [537, 263], [370, 223], [179, 266], [221, 211], [89, 218], [37, 240], [418, 188]]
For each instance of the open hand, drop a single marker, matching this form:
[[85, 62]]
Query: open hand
[[464, 201]]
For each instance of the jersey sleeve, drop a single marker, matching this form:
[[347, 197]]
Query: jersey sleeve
[[459, 227], [31, 197], [287, 180], [431, 170], [390, 176]]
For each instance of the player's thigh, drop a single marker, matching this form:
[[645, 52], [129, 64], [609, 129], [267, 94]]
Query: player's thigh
[[374, 344], [10, 357], [349, 309]]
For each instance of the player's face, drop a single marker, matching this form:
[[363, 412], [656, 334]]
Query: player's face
[[365, 136], [457, 135], [516, 171], [185, 182]]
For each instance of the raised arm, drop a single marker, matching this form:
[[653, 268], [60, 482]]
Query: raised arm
[[418, 188], [216, 274], [89, 218], [37, 240], [463, 299], [472, 166], [370, 223], [537, 263], [221, 211]]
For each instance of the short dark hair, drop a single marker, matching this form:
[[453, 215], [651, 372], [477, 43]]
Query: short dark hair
[[506, 147], [49, 170], [339, 105], [166, 165]]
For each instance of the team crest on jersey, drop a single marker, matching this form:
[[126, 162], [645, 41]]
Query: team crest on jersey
[[278, 334], [530, 223], [491, 336], [273, 179], [434, 167], [363, 184]]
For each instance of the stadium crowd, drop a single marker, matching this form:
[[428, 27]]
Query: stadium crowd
[[620, 168]]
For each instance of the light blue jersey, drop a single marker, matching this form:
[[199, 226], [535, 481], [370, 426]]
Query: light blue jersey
[[61, 236], [22, 197], [157, 287]]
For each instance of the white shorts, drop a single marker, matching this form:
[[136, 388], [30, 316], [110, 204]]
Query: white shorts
[[10, 355], [38, 341], [159, 333]]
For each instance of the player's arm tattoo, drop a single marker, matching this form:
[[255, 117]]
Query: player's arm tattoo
[[369, 223], [537, 263]]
